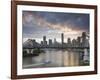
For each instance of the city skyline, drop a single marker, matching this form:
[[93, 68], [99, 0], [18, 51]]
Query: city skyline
[[36, 24], [57, 39], [81, 41]]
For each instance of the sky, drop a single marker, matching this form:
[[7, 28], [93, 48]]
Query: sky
[[37, 24]]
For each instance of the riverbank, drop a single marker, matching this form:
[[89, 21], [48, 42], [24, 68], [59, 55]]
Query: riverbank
[[36, 52]]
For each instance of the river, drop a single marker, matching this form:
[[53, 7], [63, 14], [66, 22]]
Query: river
[[54, 58]]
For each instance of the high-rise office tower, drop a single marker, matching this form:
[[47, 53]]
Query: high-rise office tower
[[79, 41], [44, 41], [74, 43], [44, 38], [62, 38], [50, 42], [41, 42], [68, 42], [55, 41], [84, 39], [83, 36]]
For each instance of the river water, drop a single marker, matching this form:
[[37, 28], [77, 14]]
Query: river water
[[53, 58]]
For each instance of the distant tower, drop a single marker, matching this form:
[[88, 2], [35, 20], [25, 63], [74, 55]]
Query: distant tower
[[62, 38], [41, 42], [44, 41], [44, 38], [69, 41], [50, 42], [83, 39], [74, 43], [83, 36], [79, 41], [55, 41]]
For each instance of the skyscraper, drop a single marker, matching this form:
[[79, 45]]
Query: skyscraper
[[83, 39], [79, 41], [50, 42], [55, 41], [44, 41], [44, 38], [74, 43], [68, 42], [62, 38]]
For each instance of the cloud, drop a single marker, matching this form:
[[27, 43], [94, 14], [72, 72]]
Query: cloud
[[40, 23]]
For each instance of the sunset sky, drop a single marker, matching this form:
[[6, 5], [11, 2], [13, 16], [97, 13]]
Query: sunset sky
[[37, 24]]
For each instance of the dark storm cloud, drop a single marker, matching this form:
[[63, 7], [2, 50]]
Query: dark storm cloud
[[42, 22], [78, 20]]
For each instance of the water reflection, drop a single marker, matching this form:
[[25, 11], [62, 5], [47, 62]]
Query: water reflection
[[53, 58]]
